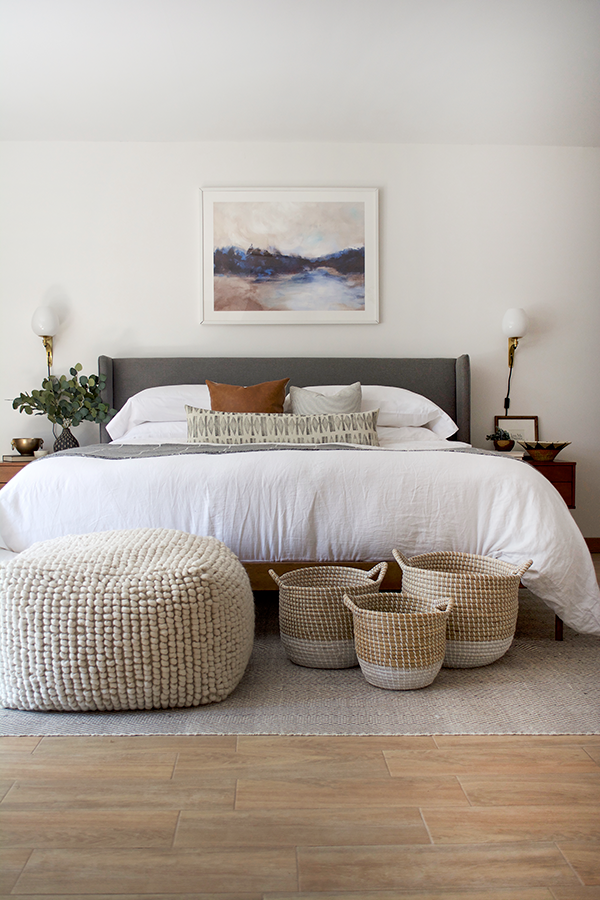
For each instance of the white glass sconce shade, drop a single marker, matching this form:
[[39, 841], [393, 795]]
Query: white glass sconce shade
[[45, 322], [515, 322]]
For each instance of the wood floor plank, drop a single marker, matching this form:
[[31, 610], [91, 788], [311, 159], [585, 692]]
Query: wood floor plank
[[593, 749], [12, 862], [88, 828], [294, 764], [576, 893], [512, 824], [585, 859], [349, 793], [520, 893], [237, 895], [5, 787], [101, 744], [533, 790], [90, 766], [291, 827], [134, 794], [157, 871], [485, 741], [487, 866], [331, 743], [517, 760], [18, 744]]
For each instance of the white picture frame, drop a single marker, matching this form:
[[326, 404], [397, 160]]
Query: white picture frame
[[520, 428], [290, 256]]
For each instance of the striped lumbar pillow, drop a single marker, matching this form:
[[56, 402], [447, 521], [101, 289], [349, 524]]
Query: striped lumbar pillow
[[209, 427]]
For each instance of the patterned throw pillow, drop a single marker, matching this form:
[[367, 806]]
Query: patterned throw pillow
[[309, 403], [210, 427]]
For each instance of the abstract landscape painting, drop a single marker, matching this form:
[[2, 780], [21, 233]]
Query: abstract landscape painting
[[290, 255]]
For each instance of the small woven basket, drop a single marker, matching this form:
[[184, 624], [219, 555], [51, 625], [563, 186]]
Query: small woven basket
[[481, 626], [315, 626], [400, 640]]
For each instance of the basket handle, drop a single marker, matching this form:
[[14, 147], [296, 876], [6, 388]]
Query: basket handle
[[275, 578], [401, 559], [444, 604], [522, 569], [356, 610], [377, 573]]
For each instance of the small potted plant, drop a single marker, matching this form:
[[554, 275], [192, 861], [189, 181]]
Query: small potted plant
[[67, 402], [502, 439]]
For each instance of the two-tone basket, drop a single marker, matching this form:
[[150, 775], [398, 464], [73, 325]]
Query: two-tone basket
[[481, 626], [400, 640], [315, 627]]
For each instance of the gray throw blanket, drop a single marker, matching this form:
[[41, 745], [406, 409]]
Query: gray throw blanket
[[145, 451]]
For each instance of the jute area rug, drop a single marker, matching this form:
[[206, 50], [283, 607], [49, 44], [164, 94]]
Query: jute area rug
[[540, 686]]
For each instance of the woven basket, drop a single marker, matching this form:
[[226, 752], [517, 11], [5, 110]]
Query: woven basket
[[400, 640], [315, 626], [485, 591]]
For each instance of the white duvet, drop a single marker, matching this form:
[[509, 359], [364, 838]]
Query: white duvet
[[332, 505]]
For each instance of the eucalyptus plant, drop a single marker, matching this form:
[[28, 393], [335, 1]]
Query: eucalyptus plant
[[67, 401], [499, 435]]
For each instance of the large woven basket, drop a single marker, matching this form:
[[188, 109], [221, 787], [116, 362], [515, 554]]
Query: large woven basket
[[315, 626], [400, 640], [481, 626]]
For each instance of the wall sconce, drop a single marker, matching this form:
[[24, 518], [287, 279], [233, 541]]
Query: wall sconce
[[45, 323], [514, 326]]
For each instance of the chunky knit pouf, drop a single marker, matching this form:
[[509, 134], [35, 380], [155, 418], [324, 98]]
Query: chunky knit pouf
[[143, 619]]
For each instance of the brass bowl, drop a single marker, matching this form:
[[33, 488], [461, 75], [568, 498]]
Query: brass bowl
[[544, 451], [27, 446]]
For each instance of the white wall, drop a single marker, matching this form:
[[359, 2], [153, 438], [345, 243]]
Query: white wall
[[109, 235]]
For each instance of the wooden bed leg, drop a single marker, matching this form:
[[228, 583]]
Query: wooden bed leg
[[558, 629]]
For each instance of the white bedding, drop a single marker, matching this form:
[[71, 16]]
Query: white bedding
[[334, 505]]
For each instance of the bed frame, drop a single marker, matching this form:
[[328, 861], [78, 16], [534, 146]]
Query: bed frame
[[445, 381]]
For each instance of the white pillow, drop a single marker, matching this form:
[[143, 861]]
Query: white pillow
[[158, 404], [309, 403], [155, 433], [399, 407]]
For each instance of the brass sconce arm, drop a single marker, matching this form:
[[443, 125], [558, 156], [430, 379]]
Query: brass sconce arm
[[513, 343], [45, 324], [48, 343]]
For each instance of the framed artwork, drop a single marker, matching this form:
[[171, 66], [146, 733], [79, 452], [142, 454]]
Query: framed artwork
[[290, 256], [520, 428]]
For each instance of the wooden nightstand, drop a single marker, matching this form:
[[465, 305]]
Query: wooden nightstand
[[9, 469], [562, 475]]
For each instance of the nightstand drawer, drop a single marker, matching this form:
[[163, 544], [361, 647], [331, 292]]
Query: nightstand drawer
[[567, 492], [9, 469], [562, 476]]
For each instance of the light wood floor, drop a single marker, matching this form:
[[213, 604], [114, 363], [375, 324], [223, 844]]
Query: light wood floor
[[251, 817]]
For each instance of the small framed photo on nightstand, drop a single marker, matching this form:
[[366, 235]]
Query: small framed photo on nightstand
[[520, 428]]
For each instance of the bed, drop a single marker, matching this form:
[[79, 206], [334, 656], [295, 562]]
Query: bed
[[286, 506]]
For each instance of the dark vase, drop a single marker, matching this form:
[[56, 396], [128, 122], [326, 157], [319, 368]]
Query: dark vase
[[65, 440]]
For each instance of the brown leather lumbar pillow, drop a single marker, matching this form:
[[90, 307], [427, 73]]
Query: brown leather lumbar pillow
[[266, 397]]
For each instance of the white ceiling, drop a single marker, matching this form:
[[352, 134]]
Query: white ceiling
[[408, 71]]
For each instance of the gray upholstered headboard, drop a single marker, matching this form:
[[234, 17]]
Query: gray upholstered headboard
[[445, 381]]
